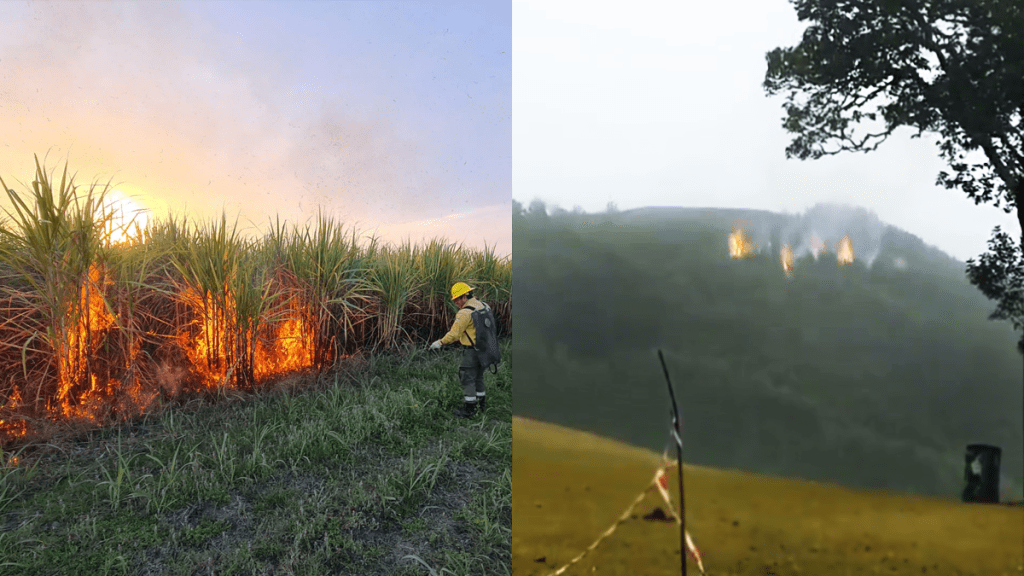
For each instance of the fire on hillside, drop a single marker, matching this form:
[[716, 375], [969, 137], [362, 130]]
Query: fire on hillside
[[740, 246], [845, 254], [787, 260]]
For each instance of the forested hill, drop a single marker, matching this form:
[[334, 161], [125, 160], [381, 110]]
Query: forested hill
[[871, 375]]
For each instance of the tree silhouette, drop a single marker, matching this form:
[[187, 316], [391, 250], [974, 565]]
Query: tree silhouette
[[954, 68]]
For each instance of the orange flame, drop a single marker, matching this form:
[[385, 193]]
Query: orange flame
[[786, 255], [209, 348], [85, 326], [93, 358], [846, 251], [739, 246], [79, 357], [286, 345], [290, 347]]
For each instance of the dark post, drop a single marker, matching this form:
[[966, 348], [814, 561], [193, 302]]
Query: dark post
[[678, 429], [981, 473]]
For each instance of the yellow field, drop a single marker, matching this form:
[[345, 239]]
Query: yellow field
[[569, 486]]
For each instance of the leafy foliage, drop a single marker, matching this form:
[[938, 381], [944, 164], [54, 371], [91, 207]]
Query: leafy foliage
[[865, 68], [1000, 276]]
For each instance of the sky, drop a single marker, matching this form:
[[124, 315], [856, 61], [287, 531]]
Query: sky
[[662, 104], [391, 117]]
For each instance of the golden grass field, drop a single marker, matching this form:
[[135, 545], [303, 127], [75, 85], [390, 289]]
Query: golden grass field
[[569, 486]]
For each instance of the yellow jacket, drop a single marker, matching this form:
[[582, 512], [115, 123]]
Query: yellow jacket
[[463, 329]]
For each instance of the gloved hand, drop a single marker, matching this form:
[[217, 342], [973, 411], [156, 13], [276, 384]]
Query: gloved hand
[[436, 345]]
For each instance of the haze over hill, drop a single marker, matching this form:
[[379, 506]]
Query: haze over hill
[[874, 374]]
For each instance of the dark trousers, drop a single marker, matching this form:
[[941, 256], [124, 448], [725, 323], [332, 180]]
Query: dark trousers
[[471, 374]]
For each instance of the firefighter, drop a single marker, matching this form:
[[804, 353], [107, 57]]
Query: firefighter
[[471, 371]]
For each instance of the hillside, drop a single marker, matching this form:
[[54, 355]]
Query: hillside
[[874, 376], [570, 486]]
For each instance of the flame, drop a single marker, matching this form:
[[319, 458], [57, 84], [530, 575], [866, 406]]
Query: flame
[[739, 246], [286, 344], [845, 251], [79, 360], [92, 358], [290, 348], [786, 255], [208, 348], [86, 324]]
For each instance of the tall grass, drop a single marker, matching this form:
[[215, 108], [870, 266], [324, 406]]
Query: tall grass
[[54, 271], [97, 331], [325, 269], [439, 264], [394, 282]]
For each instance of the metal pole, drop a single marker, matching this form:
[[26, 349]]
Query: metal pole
[[678, 431]]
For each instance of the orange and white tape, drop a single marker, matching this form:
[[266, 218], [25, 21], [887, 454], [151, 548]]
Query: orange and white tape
[[661, 483]]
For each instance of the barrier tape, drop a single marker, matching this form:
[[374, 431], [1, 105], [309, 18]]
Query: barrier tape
[[660, 482]]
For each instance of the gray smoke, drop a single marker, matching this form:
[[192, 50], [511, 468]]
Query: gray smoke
[[830, 223]]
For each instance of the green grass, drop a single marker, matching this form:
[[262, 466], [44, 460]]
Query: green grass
[[571, 486], [360, 471]]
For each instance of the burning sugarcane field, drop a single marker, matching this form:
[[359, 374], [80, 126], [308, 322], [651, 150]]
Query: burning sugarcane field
[[156, 376], [255, 288]]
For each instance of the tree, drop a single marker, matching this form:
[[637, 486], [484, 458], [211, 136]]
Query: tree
[[538, 210], [955, 68]]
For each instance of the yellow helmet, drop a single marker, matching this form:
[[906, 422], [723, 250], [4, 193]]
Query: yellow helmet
[[459, 289]]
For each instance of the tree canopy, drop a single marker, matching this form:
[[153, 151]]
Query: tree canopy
[[955, 68]]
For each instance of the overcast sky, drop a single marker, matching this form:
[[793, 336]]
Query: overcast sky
[[393, 116], [661, 104]]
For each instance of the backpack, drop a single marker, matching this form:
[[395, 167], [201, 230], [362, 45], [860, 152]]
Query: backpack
[[486, 344]]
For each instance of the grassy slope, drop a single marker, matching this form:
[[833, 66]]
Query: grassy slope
[[570, 486], [349, 477]]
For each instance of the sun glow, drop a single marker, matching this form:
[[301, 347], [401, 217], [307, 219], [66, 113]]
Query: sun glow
[[128, 216]]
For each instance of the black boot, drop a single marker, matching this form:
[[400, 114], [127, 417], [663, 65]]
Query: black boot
[[482, 402], [467, 412]]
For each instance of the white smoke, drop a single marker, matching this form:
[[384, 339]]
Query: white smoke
[[827, 224]]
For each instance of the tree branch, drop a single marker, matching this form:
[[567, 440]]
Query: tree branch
[[1001, 170]]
